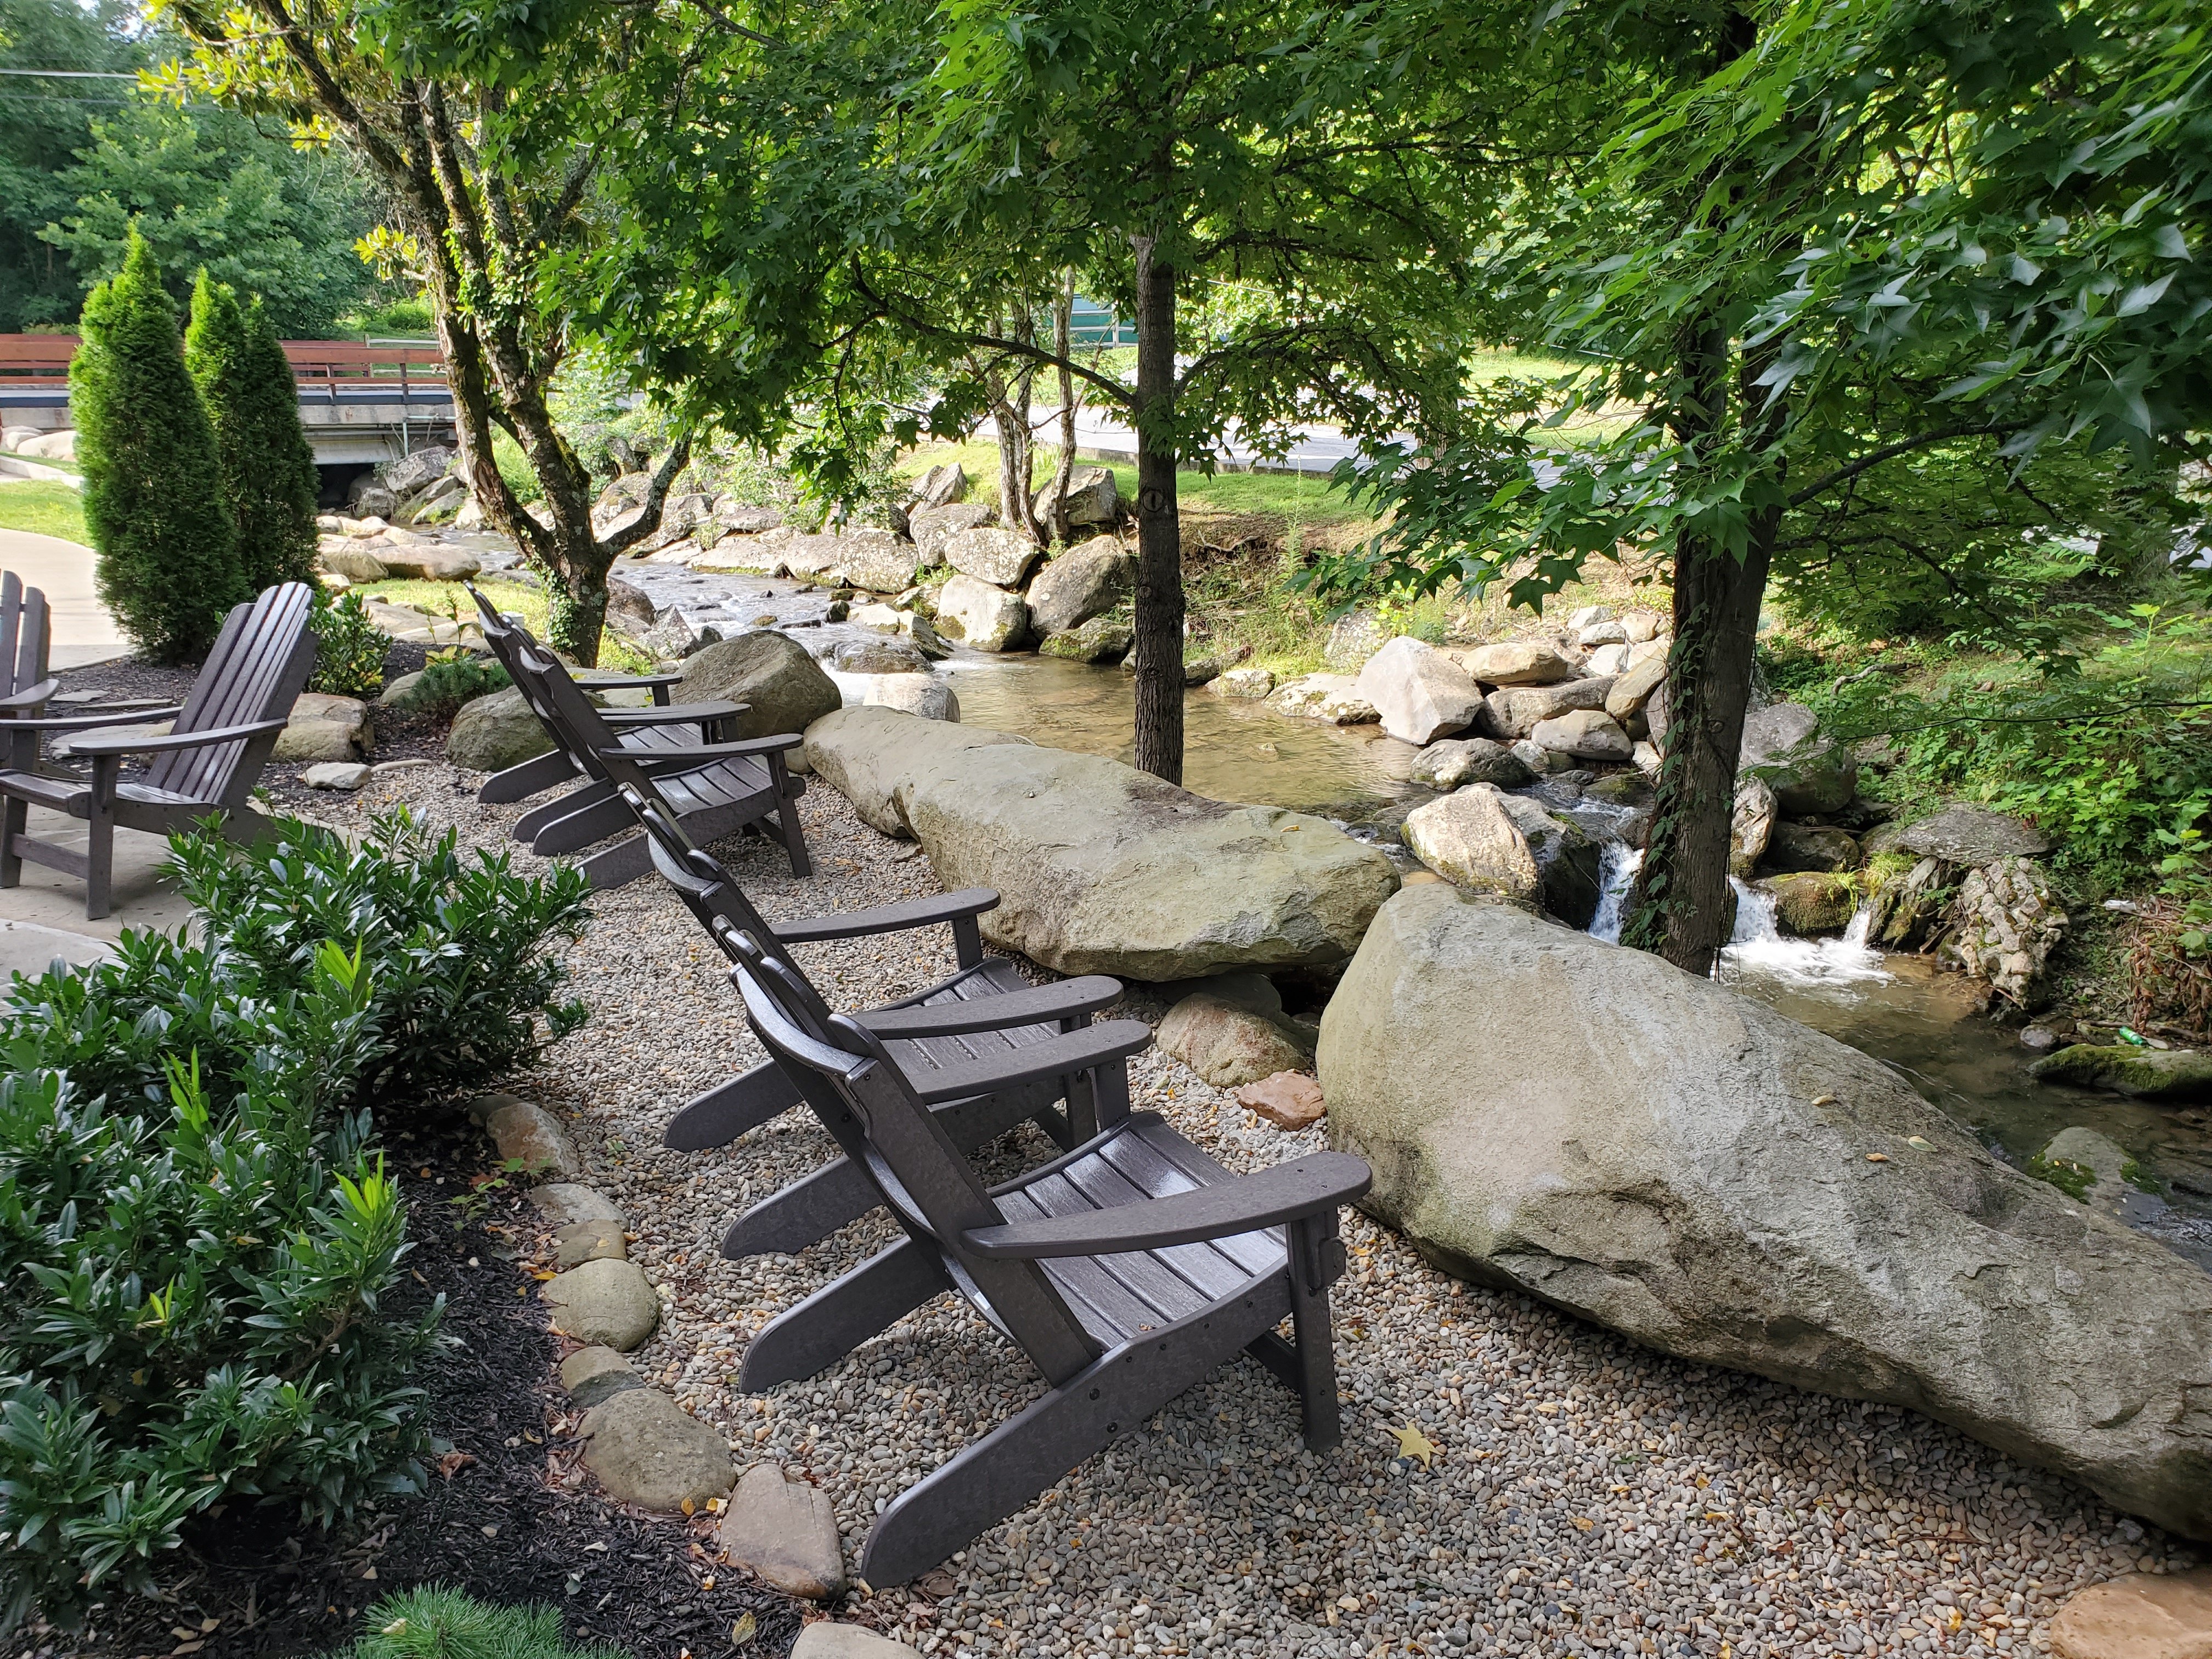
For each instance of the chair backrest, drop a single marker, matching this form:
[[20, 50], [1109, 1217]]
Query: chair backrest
[[865, 1099], [509, 640], [25, 635], [260, 664], [572, 718]]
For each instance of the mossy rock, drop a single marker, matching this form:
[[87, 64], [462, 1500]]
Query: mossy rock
[[2176, 1075], [1813, 902]]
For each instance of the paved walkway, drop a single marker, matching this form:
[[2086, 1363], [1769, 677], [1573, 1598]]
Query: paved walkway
[[84, 631]]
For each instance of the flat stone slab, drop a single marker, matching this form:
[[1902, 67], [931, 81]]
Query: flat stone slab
[[2139, 1615], [595, 1375], [561, 1202], [787, 1531], [345, 776], [1963, 833], [608, 1302], [532, 1137], [1289, 1100], [827, 1639], [645, 1450]]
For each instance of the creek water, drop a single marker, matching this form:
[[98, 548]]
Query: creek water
[[1924, 1025]]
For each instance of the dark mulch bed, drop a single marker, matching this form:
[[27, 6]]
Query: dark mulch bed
[[275, 1590]]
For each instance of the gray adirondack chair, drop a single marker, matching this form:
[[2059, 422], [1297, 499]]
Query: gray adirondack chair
[[989, 1049], [663, 727], [712, 789], [25, 637], [1126, 1271], [207, 765]]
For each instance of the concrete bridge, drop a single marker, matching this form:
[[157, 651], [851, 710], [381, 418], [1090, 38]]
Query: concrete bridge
[[360, 404]]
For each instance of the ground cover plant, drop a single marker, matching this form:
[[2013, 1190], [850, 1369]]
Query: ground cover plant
[[437, 1623], [198, 1232]]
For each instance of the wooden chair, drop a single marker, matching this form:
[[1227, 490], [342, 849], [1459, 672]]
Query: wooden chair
[[207, 765], [989, 1047], [25, 637], [1126, 1271]]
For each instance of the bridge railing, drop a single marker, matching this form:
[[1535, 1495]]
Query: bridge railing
[[38, 360]]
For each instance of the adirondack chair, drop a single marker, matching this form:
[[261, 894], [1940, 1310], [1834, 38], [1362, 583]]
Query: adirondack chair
[[207, 765], [1125, 1271], [714, 789], [662, 727], [26, 636], [1000, 1062]]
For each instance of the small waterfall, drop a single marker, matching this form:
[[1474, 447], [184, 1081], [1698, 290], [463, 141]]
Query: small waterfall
[[1759, 945], [1618, 863]]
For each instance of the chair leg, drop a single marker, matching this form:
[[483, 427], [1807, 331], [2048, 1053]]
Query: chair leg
[[841, 1315], [723, 1113], [1315, 1257], [519, 782], [526, 827], [14, 820], [794, 838], [99, 862]]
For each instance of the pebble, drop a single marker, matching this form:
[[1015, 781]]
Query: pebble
[[1587, 1497]]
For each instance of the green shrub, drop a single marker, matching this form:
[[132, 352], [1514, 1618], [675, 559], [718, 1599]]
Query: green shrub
[[268, 466], [349, 648], [153, 497], [451, 678], [464, 984], [197, 1239], [436, 1622]]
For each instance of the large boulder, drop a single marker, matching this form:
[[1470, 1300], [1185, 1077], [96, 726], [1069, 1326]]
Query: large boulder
[[2009, 922], [430, 564], [1484, 839], [933, 526], [981, 615], [1420, 693], [1965, 834], [1708, 1177], [1750, 826], [941, 486], [2177, 1076], [1516, 711], [1452, 763], [1810, 776], [1809, 902], [1100, 640], [1517, 662], [410, 473], [1229, 1046], [492, 733], [1085, 581], [1332, 697], [1633, 687], [1093, 499], [783, 688], [1003, 558], [1584, 733], [1104, 869], [1811, 847], [877, 560], [324, 726]]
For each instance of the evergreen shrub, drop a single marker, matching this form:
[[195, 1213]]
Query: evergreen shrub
[[268, 465]]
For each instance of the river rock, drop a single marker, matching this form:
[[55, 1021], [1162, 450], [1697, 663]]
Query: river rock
[[2009, 922], [1517, 662], [941, 486], [430, 564], [877, 560], [1289, 1100], [1102, 639], [1228, 1045], [985, 616], [1516, 711], [562, 1203], [1810, 776], [1806, 847], [1352, 639], [1632, 689], [1244, 684], [1567, 861], [1470, 840], [1104, 869], [1585, 733], [827, 1639], [783, 688], [1003, 558], [1456, 761], [343, 776], [1093, 499], [1641, 626], [607, 1301], [1750, 826], [1694, 1171], [368, 498], [679, 636], [645, 1450], [1085, 581], [1965, 834], [879, 657], [1331, 697], [1607, 661], [920, 694], [630, 607], [324, 726], [491, 733], [2086, 1165], [2172, 1076], [1811, 903], [787, 1531], [355, 563], [2138, 1615], [931, 527], [597, 1374], [1420, 694], [588, 1240], [529, 1135]]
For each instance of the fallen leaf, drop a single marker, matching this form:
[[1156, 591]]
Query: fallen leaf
[[1824, 1100], [1413, 1444], [744, 1630], [690, 1507], [369, 1573], [1877, 1157], [1581, 1525], [453, 1462]]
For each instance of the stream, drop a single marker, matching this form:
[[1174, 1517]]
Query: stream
[[1898, 1009]]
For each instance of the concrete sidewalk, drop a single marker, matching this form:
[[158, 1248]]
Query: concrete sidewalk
[[44, 918], [84, 629]]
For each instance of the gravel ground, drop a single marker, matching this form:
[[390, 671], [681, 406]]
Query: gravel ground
[[1583, 1495]]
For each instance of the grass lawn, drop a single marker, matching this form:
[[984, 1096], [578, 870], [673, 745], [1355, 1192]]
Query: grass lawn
[[450, 601], [43, 507]]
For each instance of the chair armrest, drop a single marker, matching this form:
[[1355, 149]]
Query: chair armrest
[[693, 760], [1308, 1186], [32, 698], [657, 684], [673, 713], [131, 744], [92, 722], [1065, 1001], [1076, 1051], [889, 918]]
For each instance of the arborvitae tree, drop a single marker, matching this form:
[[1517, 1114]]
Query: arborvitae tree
[[268, 465], [154, 498]]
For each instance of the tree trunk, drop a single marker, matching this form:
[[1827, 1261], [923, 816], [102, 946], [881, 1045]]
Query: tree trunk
[[1063, 319], [1158, 644]]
